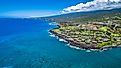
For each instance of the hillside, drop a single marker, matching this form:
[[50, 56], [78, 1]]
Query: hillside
[[102, 15], [90, 30]]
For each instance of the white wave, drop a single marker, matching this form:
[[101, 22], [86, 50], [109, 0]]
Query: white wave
[[88, 50], [62, 40], [52, 23], [52, 35], [94, 49], [73, 47]]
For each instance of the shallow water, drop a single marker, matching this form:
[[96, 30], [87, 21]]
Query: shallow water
[[26, 43]]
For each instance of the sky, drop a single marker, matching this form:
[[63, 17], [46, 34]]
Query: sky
[[40, 8], [34, 8]]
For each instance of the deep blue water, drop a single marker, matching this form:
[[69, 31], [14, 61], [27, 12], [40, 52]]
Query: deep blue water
[[25, 43]]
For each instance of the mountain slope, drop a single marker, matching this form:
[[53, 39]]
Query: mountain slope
[[101, 15]]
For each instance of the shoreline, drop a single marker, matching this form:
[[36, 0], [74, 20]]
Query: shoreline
[[75, 44]]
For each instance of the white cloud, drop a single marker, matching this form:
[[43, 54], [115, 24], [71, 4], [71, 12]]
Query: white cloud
[[93, 5]]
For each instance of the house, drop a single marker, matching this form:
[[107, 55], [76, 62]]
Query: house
[[89, 26]]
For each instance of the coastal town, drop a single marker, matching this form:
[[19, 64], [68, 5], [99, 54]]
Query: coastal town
[[90, 35]]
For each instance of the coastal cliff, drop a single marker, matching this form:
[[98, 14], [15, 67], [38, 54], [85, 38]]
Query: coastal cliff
[[106, 42]]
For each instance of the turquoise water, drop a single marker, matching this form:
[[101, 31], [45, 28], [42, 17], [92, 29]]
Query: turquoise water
[[26, 43]]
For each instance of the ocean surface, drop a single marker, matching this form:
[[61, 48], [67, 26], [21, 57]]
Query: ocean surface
[[26, 43]]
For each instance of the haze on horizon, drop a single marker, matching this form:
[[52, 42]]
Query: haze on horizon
[[40, 8]]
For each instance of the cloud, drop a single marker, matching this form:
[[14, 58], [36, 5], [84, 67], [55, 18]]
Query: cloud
[[93, 5]]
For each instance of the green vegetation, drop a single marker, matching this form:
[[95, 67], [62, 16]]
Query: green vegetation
[[102, 28], [97, 33], [82, 17]]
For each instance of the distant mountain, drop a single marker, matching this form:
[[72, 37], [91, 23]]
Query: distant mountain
[[101, 15]]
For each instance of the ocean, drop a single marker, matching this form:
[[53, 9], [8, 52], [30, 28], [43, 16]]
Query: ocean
[[26, 43]]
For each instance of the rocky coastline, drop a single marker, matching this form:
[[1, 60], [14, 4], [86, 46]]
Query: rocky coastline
[[81, 46]]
